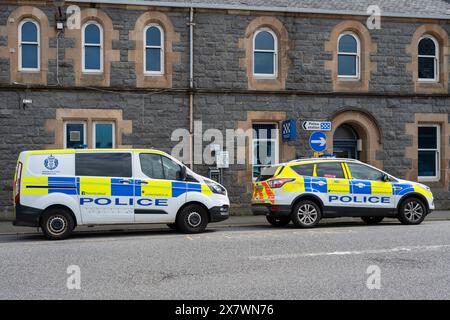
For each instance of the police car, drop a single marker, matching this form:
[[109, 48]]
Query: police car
[[58, 190], [304, 191]]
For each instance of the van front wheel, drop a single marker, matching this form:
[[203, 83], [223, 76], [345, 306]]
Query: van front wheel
[[192, 219], [57, 223]]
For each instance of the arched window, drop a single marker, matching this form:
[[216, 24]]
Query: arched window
[[154, 50], [265, 49], [348, 56], [428, 59], [92, 47], [29, 47]]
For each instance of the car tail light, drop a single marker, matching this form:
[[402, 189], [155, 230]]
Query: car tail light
[[17, 181], [278, 183]]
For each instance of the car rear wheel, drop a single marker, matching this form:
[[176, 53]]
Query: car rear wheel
[[412, 211], [306, 214], [192, 219], [57, 223], [372, 220], [278, 222]]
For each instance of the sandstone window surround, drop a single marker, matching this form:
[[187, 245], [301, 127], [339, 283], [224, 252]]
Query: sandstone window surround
[[277, 79], [108, 55], [13, 52], [152, 78], [435, 33], [366, 48], [89, 118]]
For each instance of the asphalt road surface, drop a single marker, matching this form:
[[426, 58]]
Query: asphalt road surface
[[260, 262]]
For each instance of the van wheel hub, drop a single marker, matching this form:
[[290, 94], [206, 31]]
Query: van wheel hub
[[194, 219], [57, 225]]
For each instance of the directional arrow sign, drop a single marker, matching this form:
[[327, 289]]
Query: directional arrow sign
[[318, 141], [316, 125]]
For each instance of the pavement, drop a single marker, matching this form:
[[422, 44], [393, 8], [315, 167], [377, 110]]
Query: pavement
[[241, 258], [6, 227]]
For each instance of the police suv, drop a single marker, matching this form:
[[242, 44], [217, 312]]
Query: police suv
[[58, 190], [307, 190]]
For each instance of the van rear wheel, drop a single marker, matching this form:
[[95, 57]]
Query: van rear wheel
[[57, 223], [192, 219]]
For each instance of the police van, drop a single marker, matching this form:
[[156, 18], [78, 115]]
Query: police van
[[58, 190], [306, 190]]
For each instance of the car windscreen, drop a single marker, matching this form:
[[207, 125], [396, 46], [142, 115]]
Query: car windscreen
[[267, 173]]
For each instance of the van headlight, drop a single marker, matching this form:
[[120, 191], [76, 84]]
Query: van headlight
[[216, 188]]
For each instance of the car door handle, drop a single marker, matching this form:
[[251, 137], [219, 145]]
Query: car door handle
[[125, 181], [320, 183], [142, 182], [397, 188], [360, 185]]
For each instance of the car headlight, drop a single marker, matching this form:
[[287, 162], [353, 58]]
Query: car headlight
[[216, 188]]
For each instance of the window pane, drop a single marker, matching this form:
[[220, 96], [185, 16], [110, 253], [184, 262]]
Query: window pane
[[348, 44], [92, 58], [362, 172], [172, 170], [426, 68], [103, 135], [347, 65], [263, 152], [29, 32], [74, 135], [264, 63], [29, 56], [151, 165], [427, 47], [427, 163], [103, 164], [264, 131], [304, 169], [153, 37], [153, 60], [330, 170], [92, 34], [427, 137], [264, 41]]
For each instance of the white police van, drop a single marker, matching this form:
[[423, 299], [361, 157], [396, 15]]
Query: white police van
[[58, 190], [306, 190]]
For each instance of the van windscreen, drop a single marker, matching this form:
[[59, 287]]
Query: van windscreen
[[103, 164]]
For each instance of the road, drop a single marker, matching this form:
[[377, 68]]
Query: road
[[239, 262]]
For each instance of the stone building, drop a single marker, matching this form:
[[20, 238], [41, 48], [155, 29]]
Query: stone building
[[120, 76]]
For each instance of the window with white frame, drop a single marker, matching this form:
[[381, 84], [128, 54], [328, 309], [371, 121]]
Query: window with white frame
[[74, 134], [348, 56], [428, 59], [428, 152], [103, 135], [92, 47], [264, 146], [265, 51], [29, 46], [154, 50]]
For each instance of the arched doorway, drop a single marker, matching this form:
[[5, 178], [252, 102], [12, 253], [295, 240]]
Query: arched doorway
[[345, 142]]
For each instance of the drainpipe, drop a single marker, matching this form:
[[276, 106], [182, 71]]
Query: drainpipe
[[191, 87]]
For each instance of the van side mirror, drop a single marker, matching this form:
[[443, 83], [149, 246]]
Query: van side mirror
[[182, 174]]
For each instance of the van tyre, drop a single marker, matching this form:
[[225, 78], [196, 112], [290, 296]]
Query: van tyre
[[278, 222], [192, 219], [306, 214], [372, 220], [412, 211], [57, 223]]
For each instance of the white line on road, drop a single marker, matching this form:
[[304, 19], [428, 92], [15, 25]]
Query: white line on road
[[346, 253]]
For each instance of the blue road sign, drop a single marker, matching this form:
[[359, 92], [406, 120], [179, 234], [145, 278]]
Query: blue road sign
[[289, 130], [318, 141]]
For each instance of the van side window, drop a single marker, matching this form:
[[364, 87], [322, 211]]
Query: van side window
[[304, 169], [172, 170], [103, 164], [330, 170], [151, 165]]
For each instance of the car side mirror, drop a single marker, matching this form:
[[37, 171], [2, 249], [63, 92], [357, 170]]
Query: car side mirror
[[385, 178], [182, 174]]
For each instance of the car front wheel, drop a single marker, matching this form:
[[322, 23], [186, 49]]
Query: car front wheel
[[412, 211]]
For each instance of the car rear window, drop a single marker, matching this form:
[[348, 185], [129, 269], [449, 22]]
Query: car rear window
[[330, 170], [267, 173], [103, 164], [304, 169]]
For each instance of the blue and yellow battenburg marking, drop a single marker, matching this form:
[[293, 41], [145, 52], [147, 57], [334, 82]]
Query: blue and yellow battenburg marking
[[99, 186]]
